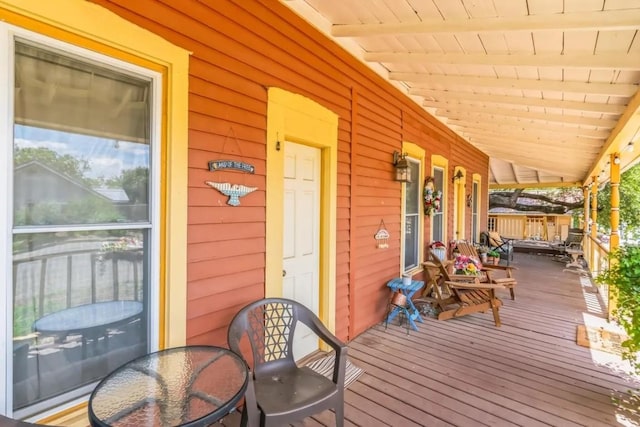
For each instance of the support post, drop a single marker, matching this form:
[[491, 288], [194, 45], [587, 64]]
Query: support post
[[614, 240]]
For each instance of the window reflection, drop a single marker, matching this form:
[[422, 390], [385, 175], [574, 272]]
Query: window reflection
[[79, 303]]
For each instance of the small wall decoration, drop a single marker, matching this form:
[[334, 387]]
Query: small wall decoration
[[382, 236], [469, 199], [233, 191], [432, 197]]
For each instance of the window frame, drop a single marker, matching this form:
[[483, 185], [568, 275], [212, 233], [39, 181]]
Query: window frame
[[415, 154], [9, 36], [442, 163], [441, 212], [475, 211]]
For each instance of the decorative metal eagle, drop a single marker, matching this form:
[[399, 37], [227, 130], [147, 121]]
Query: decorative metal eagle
[[234, 191]]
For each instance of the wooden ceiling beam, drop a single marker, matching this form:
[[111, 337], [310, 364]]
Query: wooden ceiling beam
[[531, 148], [448, 110], [551, 184], [428, 81], [516, 126], [592, 20], [607, 61], [538, 145], [444, 96], [557, 167], [627, 129]]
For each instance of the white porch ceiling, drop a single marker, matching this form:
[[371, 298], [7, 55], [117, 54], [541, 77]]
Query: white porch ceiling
[[547, 88]]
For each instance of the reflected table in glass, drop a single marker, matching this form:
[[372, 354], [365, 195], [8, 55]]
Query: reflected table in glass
[[90, 320], [183, 386]]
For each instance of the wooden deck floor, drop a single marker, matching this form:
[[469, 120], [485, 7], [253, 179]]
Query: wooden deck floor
[[467, 372]]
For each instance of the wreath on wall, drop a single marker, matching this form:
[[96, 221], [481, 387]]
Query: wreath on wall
[[432, 197]]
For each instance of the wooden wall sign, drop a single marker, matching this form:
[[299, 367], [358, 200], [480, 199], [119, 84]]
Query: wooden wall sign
[[216, 165]]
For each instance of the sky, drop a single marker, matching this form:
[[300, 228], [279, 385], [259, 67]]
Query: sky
[[107, 157]]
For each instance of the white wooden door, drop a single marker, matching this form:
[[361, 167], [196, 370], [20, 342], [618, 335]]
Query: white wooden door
[[301, 240]]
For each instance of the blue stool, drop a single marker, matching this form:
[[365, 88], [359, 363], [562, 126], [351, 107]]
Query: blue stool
[[408, 309]]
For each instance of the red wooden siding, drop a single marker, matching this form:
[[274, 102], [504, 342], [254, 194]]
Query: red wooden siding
[[239, 50]]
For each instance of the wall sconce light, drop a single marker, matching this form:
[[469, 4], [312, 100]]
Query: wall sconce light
[[629, 147], [458, 175], [616, 159], [402, 167]]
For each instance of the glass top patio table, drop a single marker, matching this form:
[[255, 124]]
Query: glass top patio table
[[183, 386]]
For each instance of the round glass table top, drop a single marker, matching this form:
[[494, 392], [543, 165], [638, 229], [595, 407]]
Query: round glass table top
[[183, 386]]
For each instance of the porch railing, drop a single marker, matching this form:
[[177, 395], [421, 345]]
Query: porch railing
[[597, 256]]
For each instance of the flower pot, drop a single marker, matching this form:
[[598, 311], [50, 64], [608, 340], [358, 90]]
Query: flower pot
[[406, 281], [399, 298]]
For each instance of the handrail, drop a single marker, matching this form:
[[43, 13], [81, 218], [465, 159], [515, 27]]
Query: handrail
[[597, 256]]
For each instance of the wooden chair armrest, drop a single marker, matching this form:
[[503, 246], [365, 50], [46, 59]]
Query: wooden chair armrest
[[471, 285], [500, 267], [465, 278]]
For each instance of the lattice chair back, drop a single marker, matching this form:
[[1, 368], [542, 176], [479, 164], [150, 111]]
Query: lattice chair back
[[269, 324]]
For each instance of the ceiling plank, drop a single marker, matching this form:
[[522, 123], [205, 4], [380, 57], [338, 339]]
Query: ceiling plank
[[515, 126], [445, 96], [454, 111], [530, 146], [595, 20], [537, 185], [427, 81], [557, 167], [608, 61]]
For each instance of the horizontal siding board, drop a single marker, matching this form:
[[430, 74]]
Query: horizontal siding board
[[240, 49], [197, 233]]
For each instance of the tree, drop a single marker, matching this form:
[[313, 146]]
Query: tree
[[629, 203], [135, 183], [61, 163], [550, 201]]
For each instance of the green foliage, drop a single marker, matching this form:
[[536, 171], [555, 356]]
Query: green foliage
[[623, 277], [135, 183], [629, 203], [89, 210], [65, 164]]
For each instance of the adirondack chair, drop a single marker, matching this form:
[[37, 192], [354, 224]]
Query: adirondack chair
[[436, 294], [489, 274], [456, 295], [471, 296]]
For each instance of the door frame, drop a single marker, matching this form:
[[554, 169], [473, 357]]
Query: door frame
[[295, 118]]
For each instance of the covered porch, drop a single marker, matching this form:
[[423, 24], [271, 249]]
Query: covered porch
[[467, 372]]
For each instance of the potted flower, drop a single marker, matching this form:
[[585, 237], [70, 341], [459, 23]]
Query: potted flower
[[493, 257], [439, 249], [467, 265]]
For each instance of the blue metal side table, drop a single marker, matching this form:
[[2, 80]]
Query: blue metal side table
[[409, 309]]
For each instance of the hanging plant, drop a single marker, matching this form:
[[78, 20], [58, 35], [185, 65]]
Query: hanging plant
[[432, 197]]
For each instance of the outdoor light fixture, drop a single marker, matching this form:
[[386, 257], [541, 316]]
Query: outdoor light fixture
[[616, 159], [458, 175], [629, 147], [402, 167]]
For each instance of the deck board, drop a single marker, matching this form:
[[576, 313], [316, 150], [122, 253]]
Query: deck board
[[466, 372], [528, 372]]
